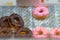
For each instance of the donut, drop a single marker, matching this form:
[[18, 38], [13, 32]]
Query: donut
[[40, 32], [5, 32], [55, 33], [16, 21], [40, 12], [4, 22], [23, 33]]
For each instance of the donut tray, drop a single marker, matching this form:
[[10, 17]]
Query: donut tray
[[30, 22]]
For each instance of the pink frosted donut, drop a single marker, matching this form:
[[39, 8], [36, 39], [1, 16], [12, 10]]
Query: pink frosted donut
[[55, 33], [40, 32], [40, 12]]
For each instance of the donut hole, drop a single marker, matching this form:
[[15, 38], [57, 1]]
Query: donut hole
[[40, 32], [23, 32], [41, 11], [58, 33], [16, 19]]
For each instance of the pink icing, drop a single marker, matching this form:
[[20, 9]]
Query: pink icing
[[52, 33], [36, 34], [44, 13], [40, 36]]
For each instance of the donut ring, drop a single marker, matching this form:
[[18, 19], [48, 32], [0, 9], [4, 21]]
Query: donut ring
[[16, 20], [40, 12], [23, 32], [4, 22], [40, 32], [5, 33], [55, 33]]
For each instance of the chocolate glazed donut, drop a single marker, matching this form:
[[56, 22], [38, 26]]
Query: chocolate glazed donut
[[5, 33], [4, 21], [16, 20], [23, 33]]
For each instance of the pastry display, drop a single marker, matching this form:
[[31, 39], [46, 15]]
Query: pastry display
[[32, 22], [40, 12], [23, 33]]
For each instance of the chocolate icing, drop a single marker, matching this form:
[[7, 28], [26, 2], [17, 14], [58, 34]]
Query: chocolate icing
[[4, 22], [16, 20], [23, 33], [5, 33]]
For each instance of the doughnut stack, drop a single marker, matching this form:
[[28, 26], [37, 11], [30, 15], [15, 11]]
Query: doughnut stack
[[13, 24]]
